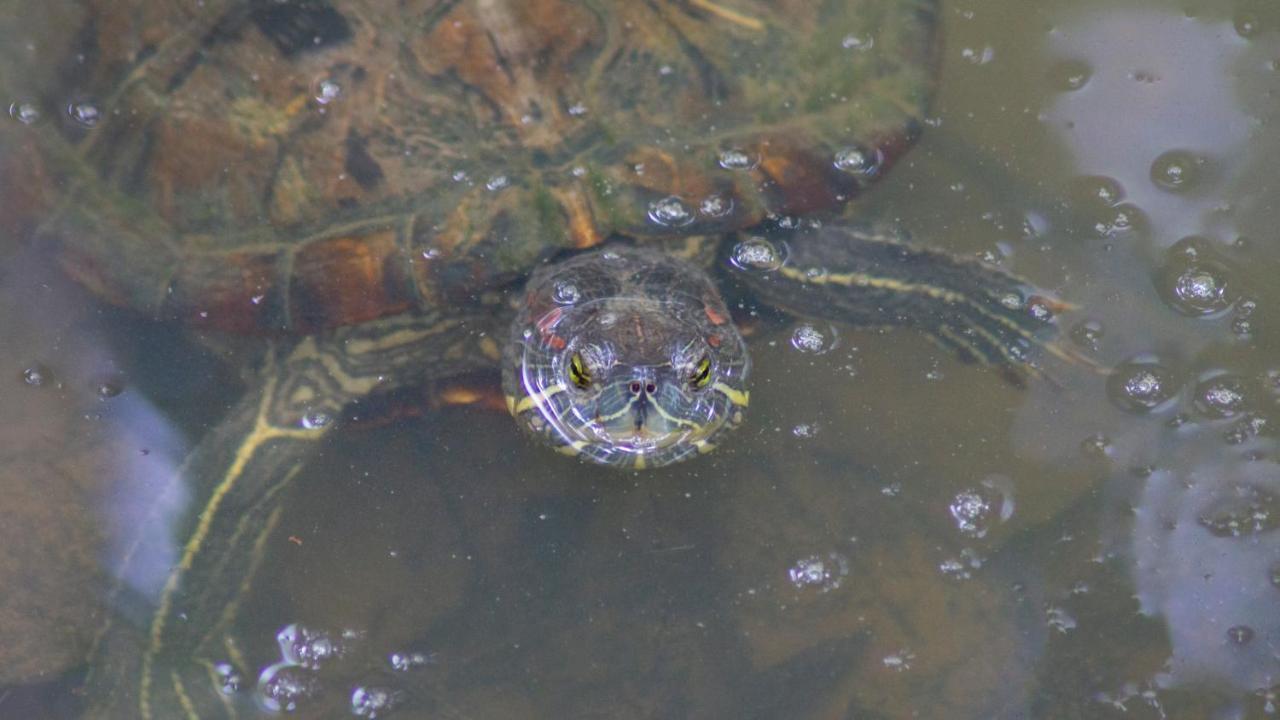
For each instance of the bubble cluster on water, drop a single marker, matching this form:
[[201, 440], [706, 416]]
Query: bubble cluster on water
[[671, 212], [85, 113], [715, 206], [1141, 385], [577, 110], [812, 340], [1221, 396], [410, 660], [859, 161], [24, 112], [805, 431], [371, 701], [825, 573], [496, 182], [973, 512], [962, 567], [284, 687], [1247, 510], [310, 648], [738, 159], [978, 56], [757, 254]]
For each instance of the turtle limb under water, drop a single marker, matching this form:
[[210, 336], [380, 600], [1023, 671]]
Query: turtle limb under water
[[177, 659]]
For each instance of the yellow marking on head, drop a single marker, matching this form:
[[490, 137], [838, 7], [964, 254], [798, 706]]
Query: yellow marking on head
[[511, 404], [572, 448], [537, 399], [737, 397], [729, 14], [639, 463], [703, 446]]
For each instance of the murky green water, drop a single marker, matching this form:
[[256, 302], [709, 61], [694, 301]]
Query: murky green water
[[893, 534]]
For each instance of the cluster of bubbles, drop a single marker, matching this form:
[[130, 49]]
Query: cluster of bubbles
[[1194, 281], [1102, 201], [812, 340], [1248, 511], [962, 567], [756, 254], [290, 683], [824, 573]]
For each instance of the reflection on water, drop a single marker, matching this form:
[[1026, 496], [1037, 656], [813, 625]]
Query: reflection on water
[[894, 534]]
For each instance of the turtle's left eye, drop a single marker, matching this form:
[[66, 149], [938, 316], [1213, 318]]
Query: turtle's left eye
[[701, 374], [578, 372]]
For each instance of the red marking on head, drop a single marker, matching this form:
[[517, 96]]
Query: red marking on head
[[714, 315], [713, 341], [556, 342]]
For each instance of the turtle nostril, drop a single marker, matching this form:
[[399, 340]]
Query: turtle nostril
[[635, 388], [651, 388]]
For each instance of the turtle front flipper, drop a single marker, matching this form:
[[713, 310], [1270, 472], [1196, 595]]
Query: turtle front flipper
[[167, 652], [868, 278]]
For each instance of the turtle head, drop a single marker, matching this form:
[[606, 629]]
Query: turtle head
[[631, 382]]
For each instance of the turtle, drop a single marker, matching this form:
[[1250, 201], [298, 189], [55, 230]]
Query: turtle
[[561, 193]]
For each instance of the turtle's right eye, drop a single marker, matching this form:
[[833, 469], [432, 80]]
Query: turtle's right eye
[[578, 372]]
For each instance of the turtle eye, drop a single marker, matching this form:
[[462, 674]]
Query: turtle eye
[[701, 374], [578, 372]]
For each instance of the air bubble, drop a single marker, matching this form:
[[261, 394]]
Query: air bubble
[[108, 389], [1087, 333], [1119, 221], [857, 43], [756, 254], [315, 419], [978, 56], [85, 113], [824, 573], [372, 701], [1196, 289], [283, 686], [24, 112], [1070, 75], [406, 661], [1094, 190], [1177, 170], [1221, 396], [736, 159], [565, 292], [577, 110], [1141, 385], [670, 212], [859, 161], [497, 182], [1240, 634], [805, 431], [715, 206], [1060, 620], [811, 340], [309, 648], [36, 376], [972, 512], [229, 679], [327, 91]]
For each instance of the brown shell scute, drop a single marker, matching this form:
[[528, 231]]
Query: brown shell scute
[[467, 140]]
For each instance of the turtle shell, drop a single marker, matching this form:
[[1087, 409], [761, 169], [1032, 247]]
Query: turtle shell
[[269, 166]]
